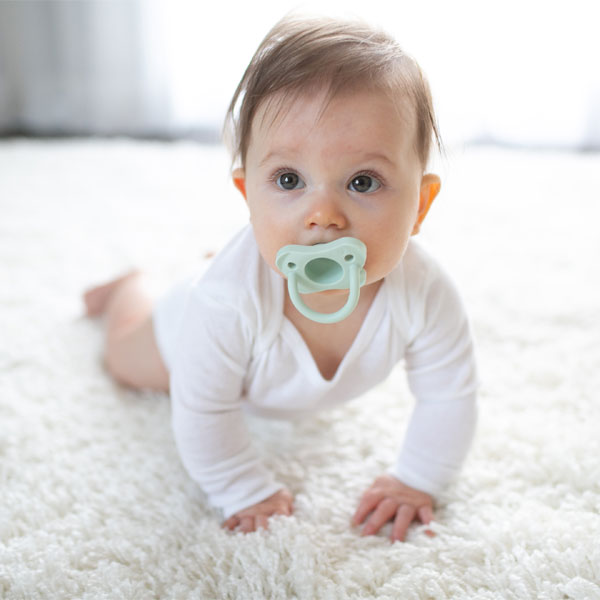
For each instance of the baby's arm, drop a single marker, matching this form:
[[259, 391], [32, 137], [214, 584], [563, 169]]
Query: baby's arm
[[207, 375], [216, 450], [436, 443], [442, 376]]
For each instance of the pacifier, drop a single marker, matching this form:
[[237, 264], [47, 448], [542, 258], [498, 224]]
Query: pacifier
[[336, 265]]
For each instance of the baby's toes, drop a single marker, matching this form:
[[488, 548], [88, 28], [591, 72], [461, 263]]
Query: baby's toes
[[96, 298], [94, 301]]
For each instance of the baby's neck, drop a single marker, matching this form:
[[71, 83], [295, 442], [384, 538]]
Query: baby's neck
[[329, 343]]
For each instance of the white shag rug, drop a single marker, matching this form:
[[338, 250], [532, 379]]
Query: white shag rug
[[93, 500]]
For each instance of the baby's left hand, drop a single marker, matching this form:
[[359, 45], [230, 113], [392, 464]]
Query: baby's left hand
[[387, 499]]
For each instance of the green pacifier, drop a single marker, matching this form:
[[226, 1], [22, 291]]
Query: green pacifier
[[337, 265]]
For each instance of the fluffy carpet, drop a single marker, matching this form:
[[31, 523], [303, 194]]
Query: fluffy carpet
[[94, 501]]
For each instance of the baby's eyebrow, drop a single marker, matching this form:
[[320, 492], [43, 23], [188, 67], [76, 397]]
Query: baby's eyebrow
[[378, 156], [287, 154], [276, 154]]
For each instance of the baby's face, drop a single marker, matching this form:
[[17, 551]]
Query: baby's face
[[352, 170]]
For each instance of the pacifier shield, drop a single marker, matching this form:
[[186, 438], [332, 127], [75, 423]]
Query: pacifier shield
[[336, 265]]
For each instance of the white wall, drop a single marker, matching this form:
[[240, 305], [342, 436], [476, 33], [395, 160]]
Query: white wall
[[516, 71]]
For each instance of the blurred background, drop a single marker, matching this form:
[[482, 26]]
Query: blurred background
[[515, 73]]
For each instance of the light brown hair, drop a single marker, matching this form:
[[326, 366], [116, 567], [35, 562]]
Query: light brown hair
[[302, 54]]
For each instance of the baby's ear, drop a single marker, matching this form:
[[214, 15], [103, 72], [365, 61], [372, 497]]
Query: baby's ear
[[430, 187], [239, 180]]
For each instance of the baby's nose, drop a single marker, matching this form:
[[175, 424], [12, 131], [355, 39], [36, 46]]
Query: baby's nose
[[326, 211]]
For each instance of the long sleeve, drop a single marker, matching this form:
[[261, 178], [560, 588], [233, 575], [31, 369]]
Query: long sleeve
[[212, 356], [442, 376]]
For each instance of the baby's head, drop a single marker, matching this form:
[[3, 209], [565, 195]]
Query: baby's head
[[301, 55], [331, 127]]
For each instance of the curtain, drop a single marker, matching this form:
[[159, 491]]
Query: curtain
[[96, 67]]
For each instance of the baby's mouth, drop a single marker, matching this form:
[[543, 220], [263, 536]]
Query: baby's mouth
[[319, 241]]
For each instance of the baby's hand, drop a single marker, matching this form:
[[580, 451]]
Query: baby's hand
[[388, 498], [257, 515]]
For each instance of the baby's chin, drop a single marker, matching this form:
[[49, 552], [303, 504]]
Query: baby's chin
[[328, 293], [341, 293]]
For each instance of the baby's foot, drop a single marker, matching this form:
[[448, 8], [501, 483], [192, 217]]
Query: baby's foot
[[97, 298]]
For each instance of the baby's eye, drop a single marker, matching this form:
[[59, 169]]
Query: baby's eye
[[289, 181], [364, 184]]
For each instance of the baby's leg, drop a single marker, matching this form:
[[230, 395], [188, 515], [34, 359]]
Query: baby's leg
[[131, 354]]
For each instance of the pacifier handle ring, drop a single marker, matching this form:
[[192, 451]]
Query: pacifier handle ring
[[333, 317]]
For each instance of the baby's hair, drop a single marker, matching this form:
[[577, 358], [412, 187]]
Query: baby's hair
[[305, 54]]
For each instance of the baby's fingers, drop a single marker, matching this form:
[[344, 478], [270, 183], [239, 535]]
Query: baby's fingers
[[404, 517], [385, 510], [425, 515], [366, 506], [247, 524], [231, 523]]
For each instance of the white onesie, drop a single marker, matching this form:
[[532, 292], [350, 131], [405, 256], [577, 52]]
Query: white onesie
[[229, 349]]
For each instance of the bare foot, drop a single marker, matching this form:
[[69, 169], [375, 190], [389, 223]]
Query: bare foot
[[97, 298]]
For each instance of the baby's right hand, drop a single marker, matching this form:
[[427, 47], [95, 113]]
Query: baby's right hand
[[257, 515]]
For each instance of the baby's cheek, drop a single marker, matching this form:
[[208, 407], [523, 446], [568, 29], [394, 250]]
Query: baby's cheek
[[381, 261], [375, 270], [268, 251]]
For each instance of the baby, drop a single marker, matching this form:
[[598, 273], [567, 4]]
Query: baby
[[331, 125]]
